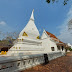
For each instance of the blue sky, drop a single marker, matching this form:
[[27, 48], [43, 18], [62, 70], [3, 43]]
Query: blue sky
[[14, 15]]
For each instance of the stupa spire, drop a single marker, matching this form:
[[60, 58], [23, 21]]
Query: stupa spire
[[32, 15], [30, 29]]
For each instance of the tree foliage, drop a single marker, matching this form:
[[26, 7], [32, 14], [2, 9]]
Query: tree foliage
[[49, 1], [70, 49]]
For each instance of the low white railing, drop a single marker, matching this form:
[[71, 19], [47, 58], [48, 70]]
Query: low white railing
[[19, 63]]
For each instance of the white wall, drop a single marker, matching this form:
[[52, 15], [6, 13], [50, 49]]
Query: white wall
[[47, 43], [19, 63]]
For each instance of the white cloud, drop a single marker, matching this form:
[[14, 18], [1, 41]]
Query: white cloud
[[65, 34], [2, 23]]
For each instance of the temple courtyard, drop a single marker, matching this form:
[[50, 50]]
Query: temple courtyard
[[61, 64]]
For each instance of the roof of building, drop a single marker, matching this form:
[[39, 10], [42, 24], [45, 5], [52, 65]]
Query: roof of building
[[53, 37]]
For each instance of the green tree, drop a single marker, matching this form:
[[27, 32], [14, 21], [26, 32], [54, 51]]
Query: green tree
[[65, 1]]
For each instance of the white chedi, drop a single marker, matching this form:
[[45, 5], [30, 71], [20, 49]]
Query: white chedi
[[28, 40], [30, 29]]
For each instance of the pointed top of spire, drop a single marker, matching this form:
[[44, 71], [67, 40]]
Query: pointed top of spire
[[33, 10], [30, 29], [32, 15]]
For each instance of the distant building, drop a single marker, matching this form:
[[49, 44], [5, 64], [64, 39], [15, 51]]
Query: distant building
[[5, 45], [69, 45]]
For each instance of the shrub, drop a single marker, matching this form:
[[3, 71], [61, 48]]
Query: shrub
[[70, 49]]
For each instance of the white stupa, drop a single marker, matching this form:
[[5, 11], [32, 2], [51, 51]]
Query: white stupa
[[28, 41], [30, 29]]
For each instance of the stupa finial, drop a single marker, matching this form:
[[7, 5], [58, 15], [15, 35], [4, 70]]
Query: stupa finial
[[32, 15], [33, 10]]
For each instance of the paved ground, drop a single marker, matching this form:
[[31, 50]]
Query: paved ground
[[62, 64]]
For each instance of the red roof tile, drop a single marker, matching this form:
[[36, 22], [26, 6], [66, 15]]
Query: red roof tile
[[53, 36]]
